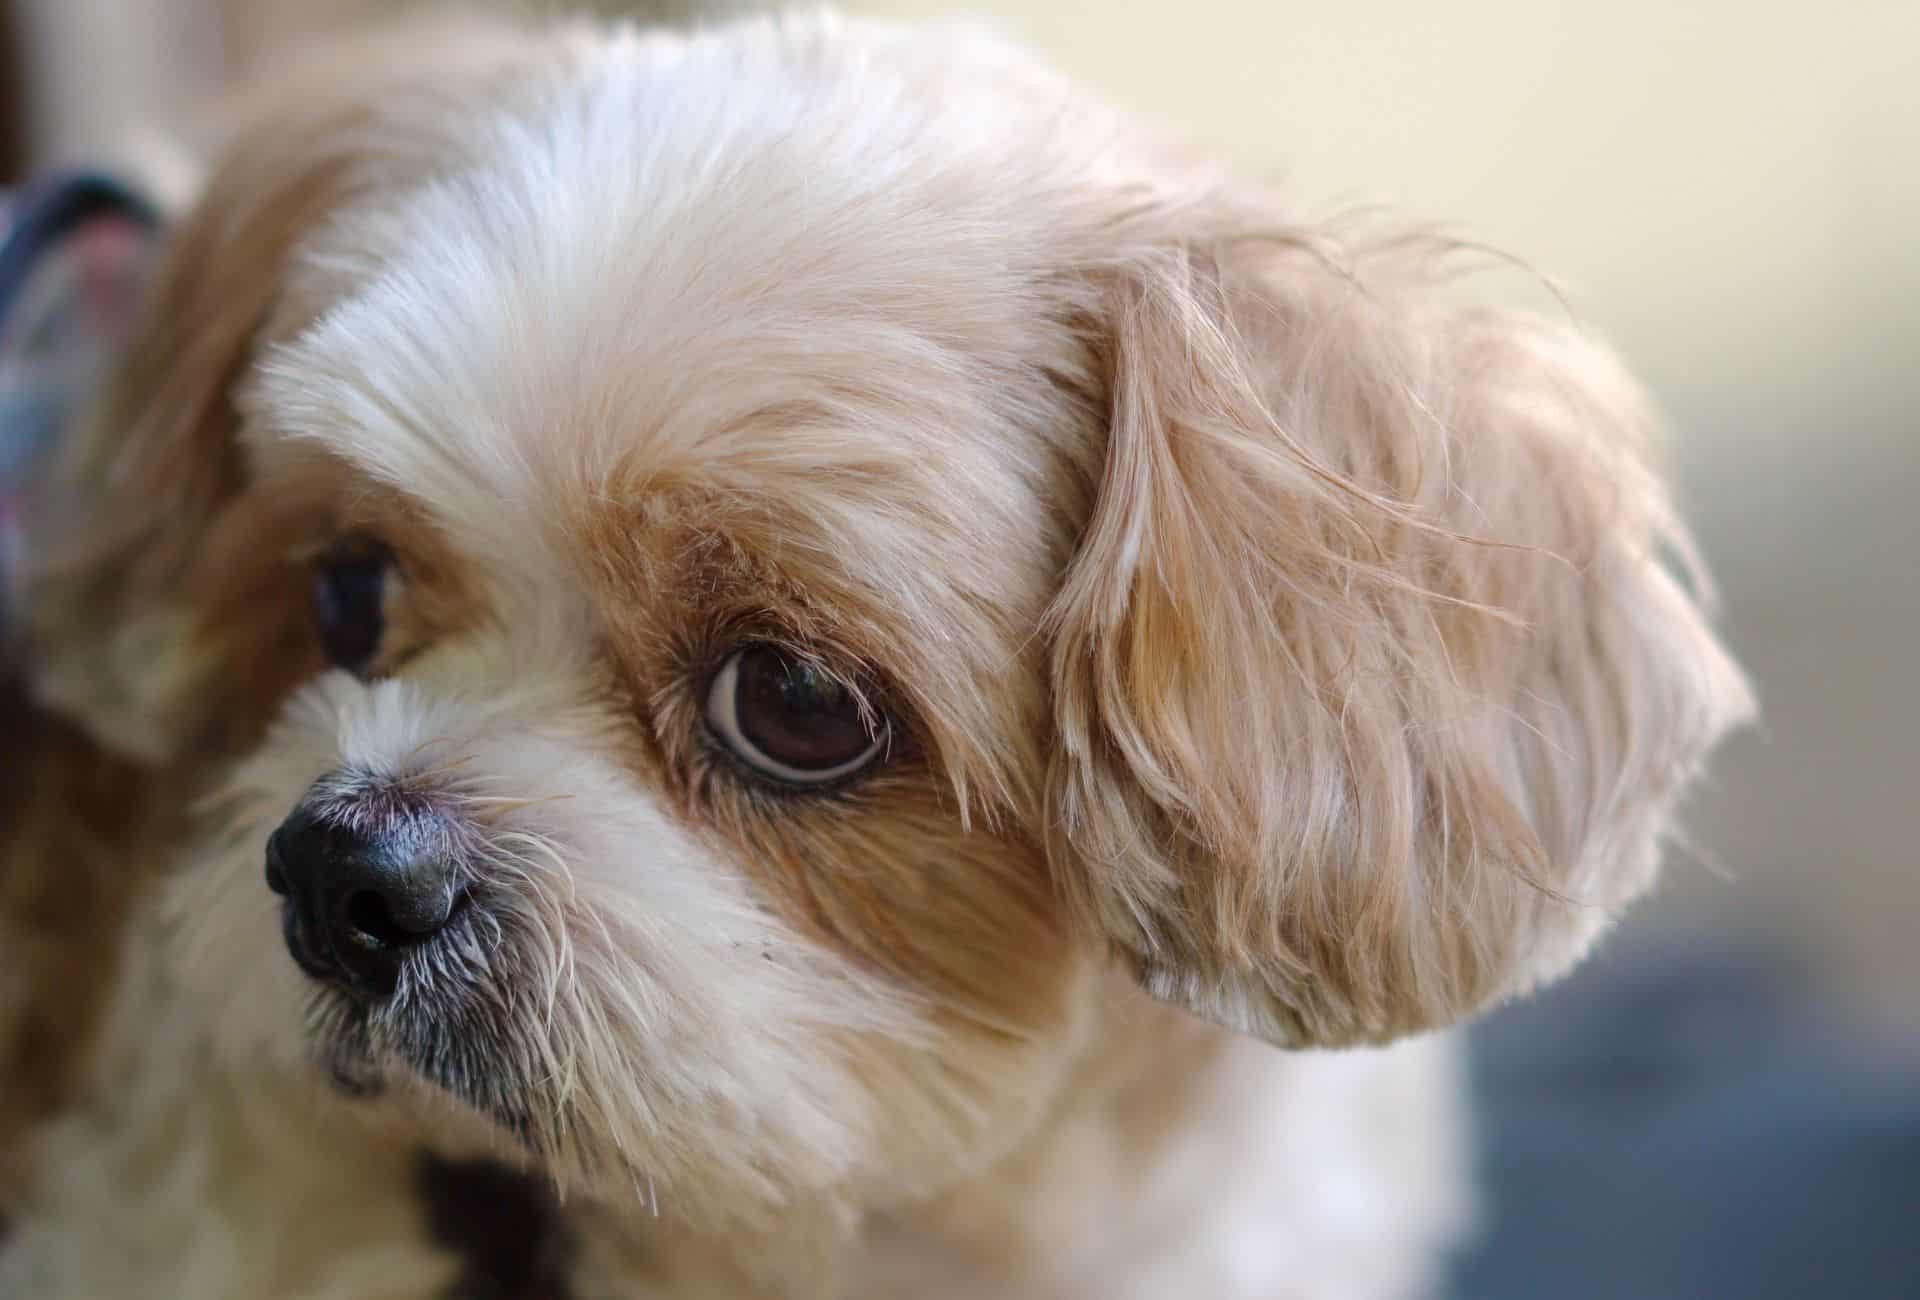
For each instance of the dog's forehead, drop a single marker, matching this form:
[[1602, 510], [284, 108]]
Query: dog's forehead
[[662, 273]]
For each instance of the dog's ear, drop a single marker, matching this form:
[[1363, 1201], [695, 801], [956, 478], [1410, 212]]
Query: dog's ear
[[155, 600], [1382, 658]]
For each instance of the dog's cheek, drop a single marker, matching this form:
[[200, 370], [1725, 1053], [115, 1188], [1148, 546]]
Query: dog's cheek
[[223, 946], [965, 925], [221, 923]]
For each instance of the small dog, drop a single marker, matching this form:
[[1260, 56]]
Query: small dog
[[752, 663]]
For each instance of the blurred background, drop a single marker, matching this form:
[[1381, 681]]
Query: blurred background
[[1727, 1102]]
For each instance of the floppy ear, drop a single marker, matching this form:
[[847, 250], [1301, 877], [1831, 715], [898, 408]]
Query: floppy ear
[[1382, 658], [143, 544]]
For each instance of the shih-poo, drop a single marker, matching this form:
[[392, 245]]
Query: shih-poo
[[795, 660]]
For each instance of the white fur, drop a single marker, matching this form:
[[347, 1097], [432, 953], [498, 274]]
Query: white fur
[[863, 281], [673, 1002]]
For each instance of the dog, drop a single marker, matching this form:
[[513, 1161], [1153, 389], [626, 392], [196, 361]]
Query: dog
[[796, 660]]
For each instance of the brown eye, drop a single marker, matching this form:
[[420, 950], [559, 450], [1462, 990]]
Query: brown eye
[[790, 719], [349, 602]]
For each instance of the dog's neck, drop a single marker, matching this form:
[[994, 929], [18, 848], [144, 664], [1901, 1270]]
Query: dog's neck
[[1063, 1197], [1180, 1160], [1039, 1220]]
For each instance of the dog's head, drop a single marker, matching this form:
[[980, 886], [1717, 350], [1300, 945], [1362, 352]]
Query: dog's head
[[725, 583]]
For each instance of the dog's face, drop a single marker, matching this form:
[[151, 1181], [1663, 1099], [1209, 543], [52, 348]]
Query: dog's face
[[718, 583]]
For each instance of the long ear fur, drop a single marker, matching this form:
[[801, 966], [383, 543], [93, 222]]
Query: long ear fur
[[133, 534], [1382, 659]]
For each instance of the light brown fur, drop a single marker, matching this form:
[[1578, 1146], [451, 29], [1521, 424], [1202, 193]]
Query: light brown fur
[[1259, 638], [72, 861]]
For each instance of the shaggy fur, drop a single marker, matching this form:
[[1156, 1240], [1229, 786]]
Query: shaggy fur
[[1257, 635]]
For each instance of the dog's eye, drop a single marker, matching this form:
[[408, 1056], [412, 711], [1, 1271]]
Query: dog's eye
[[349, 597], [790, 719]]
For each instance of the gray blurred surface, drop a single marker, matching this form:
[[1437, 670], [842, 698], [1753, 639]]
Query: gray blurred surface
[[1683, 1123]]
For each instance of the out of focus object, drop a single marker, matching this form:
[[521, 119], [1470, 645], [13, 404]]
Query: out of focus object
[[73, 254], [83, 74], [97, 74], [13, 105], [1684, 1120]]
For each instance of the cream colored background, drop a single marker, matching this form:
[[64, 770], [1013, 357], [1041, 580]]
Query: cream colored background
[[1730, 189]]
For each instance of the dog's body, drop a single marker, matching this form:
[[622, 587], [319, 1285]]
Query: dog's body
[[800, 599]]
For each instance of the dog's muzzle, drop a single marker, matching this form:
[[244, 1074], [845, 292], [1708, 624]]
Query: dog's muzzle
[[362, 892]]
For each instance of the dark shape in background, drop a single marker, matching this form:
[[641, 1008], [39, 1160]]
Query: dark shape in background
[[1681, 1121], [13, 106]]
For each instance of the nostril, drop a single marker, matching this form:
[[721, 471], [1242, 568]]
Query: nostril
[[371, 923]]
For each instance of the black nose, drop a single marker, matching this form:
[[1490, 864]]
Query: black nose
[[359, 896]]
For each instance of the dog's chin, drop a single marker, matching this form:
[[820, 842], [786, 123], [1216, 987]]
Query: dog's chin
[[416, 1100], [343, 1053], [439, 1048]]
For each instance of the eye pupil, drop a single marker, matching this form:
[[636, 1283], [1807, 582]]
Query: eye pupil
[[349, 588], [790, 718]]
